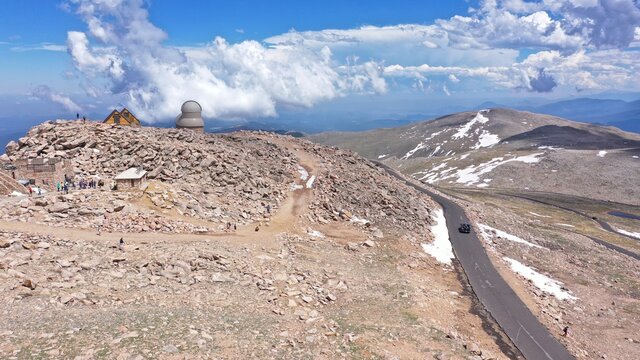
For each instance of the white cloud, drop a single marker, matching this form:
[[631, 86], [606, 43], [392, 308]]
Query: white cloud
[[445, 90], [39, 47], [44, 92], [240, 80], [576, 44]]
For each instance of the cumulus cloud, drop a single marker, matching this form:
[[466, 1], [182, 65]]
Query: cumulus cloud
[[239, 80], [576, 44], [605, 23], [559, 24], [45, 92]]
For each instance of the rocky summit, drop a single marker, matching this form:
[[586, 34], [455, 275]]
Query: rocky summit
[[235, 246]]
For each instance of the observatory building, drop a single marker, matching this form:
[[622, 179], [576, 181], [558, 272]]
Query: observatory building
[[191, 117]]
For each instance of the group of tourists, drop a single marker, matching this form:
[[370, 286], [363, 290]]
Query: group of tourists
[[64, 186]]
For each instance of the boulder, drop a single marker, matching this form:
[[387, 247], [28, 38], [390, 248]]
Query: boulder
[[58, 207]]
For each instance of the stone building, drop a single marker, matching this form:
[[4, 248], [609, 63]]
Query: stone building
[[191, 117], [44, 172], [131, 178]]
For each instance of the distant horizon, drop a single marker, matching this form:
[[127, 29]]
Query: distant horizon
[[259, 62]]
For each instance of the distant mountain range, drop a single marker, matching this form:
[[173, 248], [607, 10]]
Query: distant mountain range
[[505, 148], [621, 114]]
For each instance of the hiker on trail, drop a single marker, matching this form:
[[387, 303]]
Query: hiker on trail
[[77, 116], [39, 191], [228, 225], [98, 231], [121, 244], [269, 209], [235, 227], [257, 228], [30, 191], [565, 331]]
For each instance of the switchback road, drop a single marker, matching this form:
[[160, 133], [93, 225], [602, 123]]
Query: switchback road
[[530, 337]]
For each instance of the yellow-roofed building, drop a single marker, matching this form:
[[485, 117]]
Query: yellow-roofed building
[[123, 117]]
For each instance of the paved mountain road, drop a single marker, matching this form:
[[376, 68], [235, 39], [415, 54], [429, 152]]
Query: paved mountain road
[[530, 337]]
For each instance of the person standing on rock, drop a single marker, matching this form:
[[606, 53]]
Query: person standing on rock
[[121, 244], [565, 331]]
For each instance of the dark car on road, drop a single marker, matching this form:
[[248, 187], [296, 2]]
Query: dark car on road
[[464, 228]]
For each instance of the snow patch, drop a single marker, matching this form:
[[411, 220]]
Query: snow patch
[[471, 174], [538, 215], [550, 148], [413, 151], [295, 187], [441, 248], [565, 225], [629, 233], [464, 156], [486, 139], [422, 144], [636, 157], [382, 156], [463, 131], [357, 220], [441, 166], [17, 193], [304, 175], [602, 153], [542, 282], [487, 233], [310, 182]]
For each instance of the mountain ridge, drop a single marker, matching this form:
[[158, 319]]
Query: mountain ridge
[[508, 149]]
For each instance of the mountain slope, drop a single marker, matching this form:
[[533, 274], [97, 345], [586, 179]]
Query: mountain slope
[[508, 149]]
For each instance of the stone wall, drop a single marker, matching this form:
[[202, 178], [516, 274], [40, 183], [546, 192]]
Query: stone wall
[[45, 172]]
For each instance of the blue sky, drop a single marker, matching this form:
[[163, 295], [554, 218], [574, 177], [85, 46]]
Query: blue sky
[[259, 59]]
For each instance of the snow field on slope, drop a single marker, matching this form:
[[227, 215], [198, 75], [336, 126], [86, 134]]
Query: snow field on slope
[[472, 173], [629, 233], [440, 248], [422, 144], [542, 282], [488, 231], [463, 131], [486, 139]]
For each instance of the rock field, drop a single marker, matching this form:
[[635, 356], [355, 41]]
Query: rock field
[[332, 269]]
